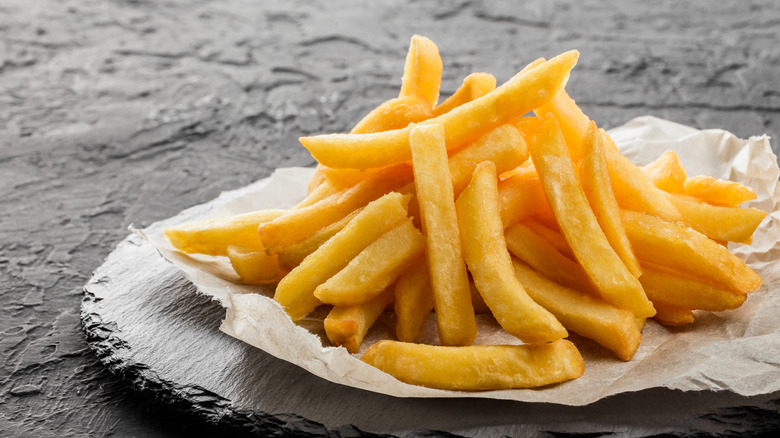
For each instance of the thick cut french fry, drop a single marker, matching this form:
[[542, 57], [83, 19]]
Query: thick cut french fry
[[669, 288], [674, 316], [292, 255], [520, 196], [422, 71], [297, 224], [213, 236], [678, 247], [724, 223], [484, 248], [477, 367], [667, 173], [375, 268], [296, 290], [595, 183], [582, 313], [322, 191], [395, 113], [449, 280], [462, 124], [610, 277], [718, 191], [345, 178], [473, 87], [571, 119], [253, 266], [346, 326], [413, 302]]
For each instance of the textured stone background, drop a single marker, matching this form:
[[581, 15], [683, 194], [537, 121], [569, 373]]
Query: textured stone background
[[117, 112]]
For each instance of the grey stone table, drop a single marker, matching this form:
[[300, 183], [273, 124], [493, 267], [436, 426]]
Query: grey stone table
[[127, 111]]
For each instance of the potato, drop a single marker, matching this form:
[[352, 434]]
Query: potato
[[667, 173], [473, 87], [346, 326], [718, 191], [413, 302]]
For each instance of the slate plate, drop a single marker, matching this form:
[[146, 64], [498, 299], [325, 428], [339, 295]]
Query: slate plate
[[146, 323]]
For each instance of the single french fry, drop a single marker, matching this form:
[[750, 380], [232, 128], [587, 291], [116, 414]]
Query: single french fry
[[375, 268], [473, 87], [718, 191], [667, 173], [322, 191], [610, 277], [477, 367], [316, 179], [669, 288], [485, 251], [553, 236], [292, 255], [295, 292], [345, 178], [449, 281], [724, 223], [253, 266], [297, 224], [413, 302], [213, 236], [572, 121], [673, 245], [594, 176], [346, 326], [462, 124], [673, 316], [422, 71], [588, 316], [395, 113]]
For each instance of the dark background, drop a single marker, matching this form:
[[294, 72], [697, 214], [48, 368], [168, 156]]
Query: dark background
[[125, 112]]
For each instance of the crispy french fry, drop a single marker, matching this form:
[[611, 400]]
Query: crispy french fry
[[213, 236], [718, 191], [667, 173], [724, 223], [553, 236], [462, 124], [292, 255], [253, 266], [484, 248], [678, 247], [582, 313], [477, 367], [322, 191], [520, 196], [345, 178], [571, 119], [669, 288], [375, 268], [413, 302], [316, 179], [422, 71], [297, 224], [673, 316], [454, 311], [395, 113], [473, 87], [295, 292], [476, 300], [346, 326], [596, 185], [610, 277]]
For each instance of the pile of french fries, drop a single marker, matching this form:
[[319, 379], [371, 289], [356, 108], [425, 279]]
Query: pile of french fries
[[472, 206]]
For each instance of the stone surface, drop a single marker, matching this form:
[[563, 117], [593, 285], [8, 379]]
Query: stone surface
[[127, 111]]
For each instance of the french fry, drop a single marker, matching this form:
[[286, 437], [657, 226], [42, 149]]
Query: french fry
[[462, 124], [572, 121], [295, 292], [484, 248], [473, 87], [322, 191], [667, 173], [678, 247], [520, 196], [316, 179], [422, 71], [253, 266], [454, 312], [673, 316], [413, 302], [614, 328], [345, 178], [477, 367], [213, 236], [596, 185], [610, 277], [346, 326], [668, 288], [292, 255], [718, 191], [724, 223], [552, 236], [394, 114], [375, 268]]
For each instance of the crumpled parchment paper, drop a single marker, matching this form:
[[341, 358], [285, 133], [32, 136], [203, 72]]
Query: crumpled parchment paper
[[735, 350]]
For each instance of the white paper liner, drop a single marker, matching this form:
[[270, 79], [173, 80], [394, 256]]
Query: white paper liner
[[736, 350]]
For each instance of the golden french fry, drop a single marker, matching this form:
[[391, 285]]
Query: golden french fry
[[395, 113], [480, 307], [375, 268], [297, 224], [413, 302], [213, 236], [718, 191], [594, 176], [422, 71], [673, 316], [477, 367], [724, 223], [473, 87], [484, 248], [610, 277], [669, 288], [322, 191], [295, 292], [520, 196], [678, 247], [346, 326], [292, 255], [667, 173], [253, 266], [553, 236], [582, 313], [316, 179], [345, 178], [572, 121], [449, 281], [462, 124]]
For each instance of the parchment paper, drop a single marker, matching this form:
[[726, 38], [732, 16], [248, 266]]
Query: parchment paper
[[736, 350]]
